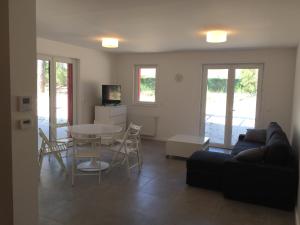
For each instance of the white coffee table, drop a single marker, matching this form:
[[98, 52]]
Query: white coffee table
[[185, 145]]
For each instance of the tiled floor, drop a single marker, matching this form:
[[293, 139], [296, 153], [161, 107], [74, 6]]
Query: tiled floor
[[158, 196]]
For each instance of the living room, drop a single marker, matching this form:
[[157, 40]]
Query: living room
[[70, 34]]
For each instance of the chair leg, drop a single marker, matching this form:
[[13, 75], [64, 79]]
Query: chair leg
[[115, 155], [41, 159], [113, 158], [128, 166], [67, 152], [74, 166], [99, 176], [123, 161], [139, 161], [141, 153], [73, 170], [67, 160], [57, 155], [100, 172]]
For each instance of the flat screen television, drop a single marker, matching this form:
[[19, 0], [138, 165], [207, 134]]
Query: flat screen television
[[111, 94]]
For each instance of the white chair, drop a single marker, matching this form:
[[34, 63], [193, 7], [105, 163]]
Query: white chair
[[128, 146], [108, 140], [68, 140], [51, 148], [120, 140], [82, 151]]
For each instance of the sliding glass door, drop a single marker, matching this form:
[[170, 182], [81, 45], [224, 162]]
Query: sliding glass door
[[216, 99], [230, 103], [63, 98], [245, 101], [43, 96], [55, 95]]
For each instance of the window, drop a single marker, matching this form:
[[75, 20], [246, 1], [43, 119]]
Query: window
[[145, 85]]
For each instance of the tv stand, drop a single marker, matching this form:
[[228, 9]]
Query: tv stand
[[112, 104], [111, 114]]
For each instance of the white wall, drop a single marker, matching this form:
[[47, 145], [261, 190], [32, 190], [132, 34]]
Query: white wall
[[179, 103], [296, 120], [23, 83], [94, 69]]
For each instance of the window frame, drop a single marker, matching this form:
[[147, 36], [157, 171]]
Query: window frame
[[136, 84]]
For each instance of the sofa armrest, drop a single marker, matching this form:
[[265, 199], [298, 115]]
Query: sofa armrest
[[241, 137], [270, 185]]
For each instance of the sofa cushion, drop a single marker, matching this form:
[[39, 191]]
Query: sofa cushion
[[205, 169], [200, 160], [242, 145], [272, 129], [256, 135], [278, 149], [251, 155]]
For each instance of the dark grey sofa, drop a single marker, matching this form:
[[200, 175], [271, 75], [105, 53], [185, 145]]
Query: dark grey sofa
[[272, 181]]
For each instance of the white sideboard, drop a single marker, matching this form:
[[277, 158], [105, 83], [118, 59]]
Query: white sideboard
[[116, 115]]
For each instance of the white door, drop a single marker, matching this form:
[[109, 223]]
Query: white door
[[230, 102], [56, 92]]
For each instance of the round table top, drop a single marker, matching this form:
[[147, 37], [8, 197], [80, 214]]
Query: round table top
[[95, 129]]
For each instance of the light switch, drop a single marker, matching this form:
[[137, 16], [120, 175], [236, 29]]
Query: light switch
[[25, 123]]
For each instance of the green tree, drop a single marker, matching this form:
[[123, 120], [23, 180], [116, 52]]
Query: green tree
[[248, 81], [217, 85], [148, 84], [61, 74], [44, 76]]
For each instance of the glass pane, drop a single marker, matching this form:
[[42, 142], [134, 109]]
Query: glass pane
[[146, 90], [43, 97], [215, 112], [61, 98], [244, 104]]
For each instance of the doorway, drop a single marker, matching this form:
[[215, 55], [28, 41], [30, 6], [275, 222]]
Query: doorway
[[231, 101], [55, 95]]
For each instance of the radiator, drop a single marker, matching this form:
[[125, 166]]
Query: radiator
[[148, 123]]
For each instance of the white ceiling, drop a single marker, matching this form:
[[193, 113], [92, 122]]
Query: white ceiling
[[170, 25]]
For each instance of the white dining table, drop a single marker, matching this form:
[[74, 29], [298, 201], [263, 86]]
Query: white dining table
[[90, 130]]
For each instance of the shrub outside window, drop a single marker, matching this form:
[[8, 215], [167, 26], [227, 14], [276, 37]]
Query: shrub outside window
[[146, 84]]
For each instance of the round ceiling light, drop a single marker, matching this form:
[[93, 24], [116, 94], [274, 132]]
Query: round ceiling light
[[110, 42], [216, 36]]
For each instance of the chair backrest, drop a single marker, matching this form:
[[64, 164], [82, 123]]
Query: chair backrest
[[45, 140], [84, 140], [55, 126], [46, 144], [132, 130], [80, 138], [133, 134]]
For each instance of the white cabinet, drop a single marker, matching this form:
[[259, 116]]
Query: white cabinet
[[116, 115]]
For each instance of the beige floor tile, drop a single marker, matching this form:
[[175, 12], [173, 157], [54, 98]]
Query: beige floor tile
[[156, 196]]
